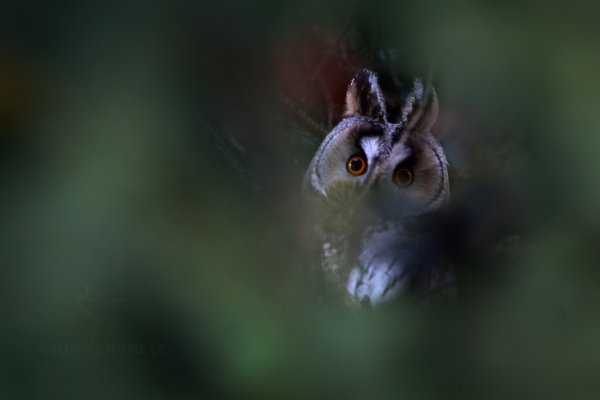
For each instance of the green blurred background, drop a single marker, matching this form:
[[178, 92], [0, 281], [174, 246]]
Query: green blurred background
[[152, 233]]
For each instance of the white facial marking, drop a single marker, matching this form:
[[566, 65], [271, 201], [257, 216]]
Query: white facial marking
[[370, 146]]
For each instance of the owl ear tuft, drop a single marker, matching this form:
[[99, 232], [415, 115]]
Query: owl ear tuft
[[421, 108], [364, 96]]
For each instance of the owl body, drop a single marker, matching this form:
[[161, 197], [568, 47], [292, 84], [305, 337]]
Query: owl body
[[376, 180]]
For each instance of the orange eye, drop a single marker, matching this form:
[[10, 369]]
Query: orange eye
[[403, 177], [357, 165]]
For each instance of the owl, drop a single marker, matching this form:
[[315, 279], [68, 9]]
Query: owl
[[376, 182]]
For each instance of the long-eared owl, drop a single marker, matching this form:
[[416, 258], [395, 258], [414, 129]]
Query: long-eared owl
[[376, 179]]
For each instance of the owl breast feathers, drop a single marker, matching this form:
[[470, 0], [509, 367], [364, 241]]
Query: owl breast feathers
[[374, 178]]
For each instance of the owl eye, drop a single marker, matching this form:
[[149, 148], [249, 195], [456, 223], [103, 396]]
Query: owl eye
[[403, 177], [356, 165]]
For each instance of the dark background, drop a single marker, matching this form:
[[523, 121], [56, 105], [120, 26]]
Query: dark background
[[153, 241]]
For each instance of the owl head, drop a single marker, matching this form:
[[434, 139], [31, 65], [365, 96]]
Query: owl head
[[371, 152], [373, 172]]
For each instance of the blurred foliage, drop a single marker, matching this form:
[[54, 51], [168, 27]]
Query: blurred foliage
[[150, 188]]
